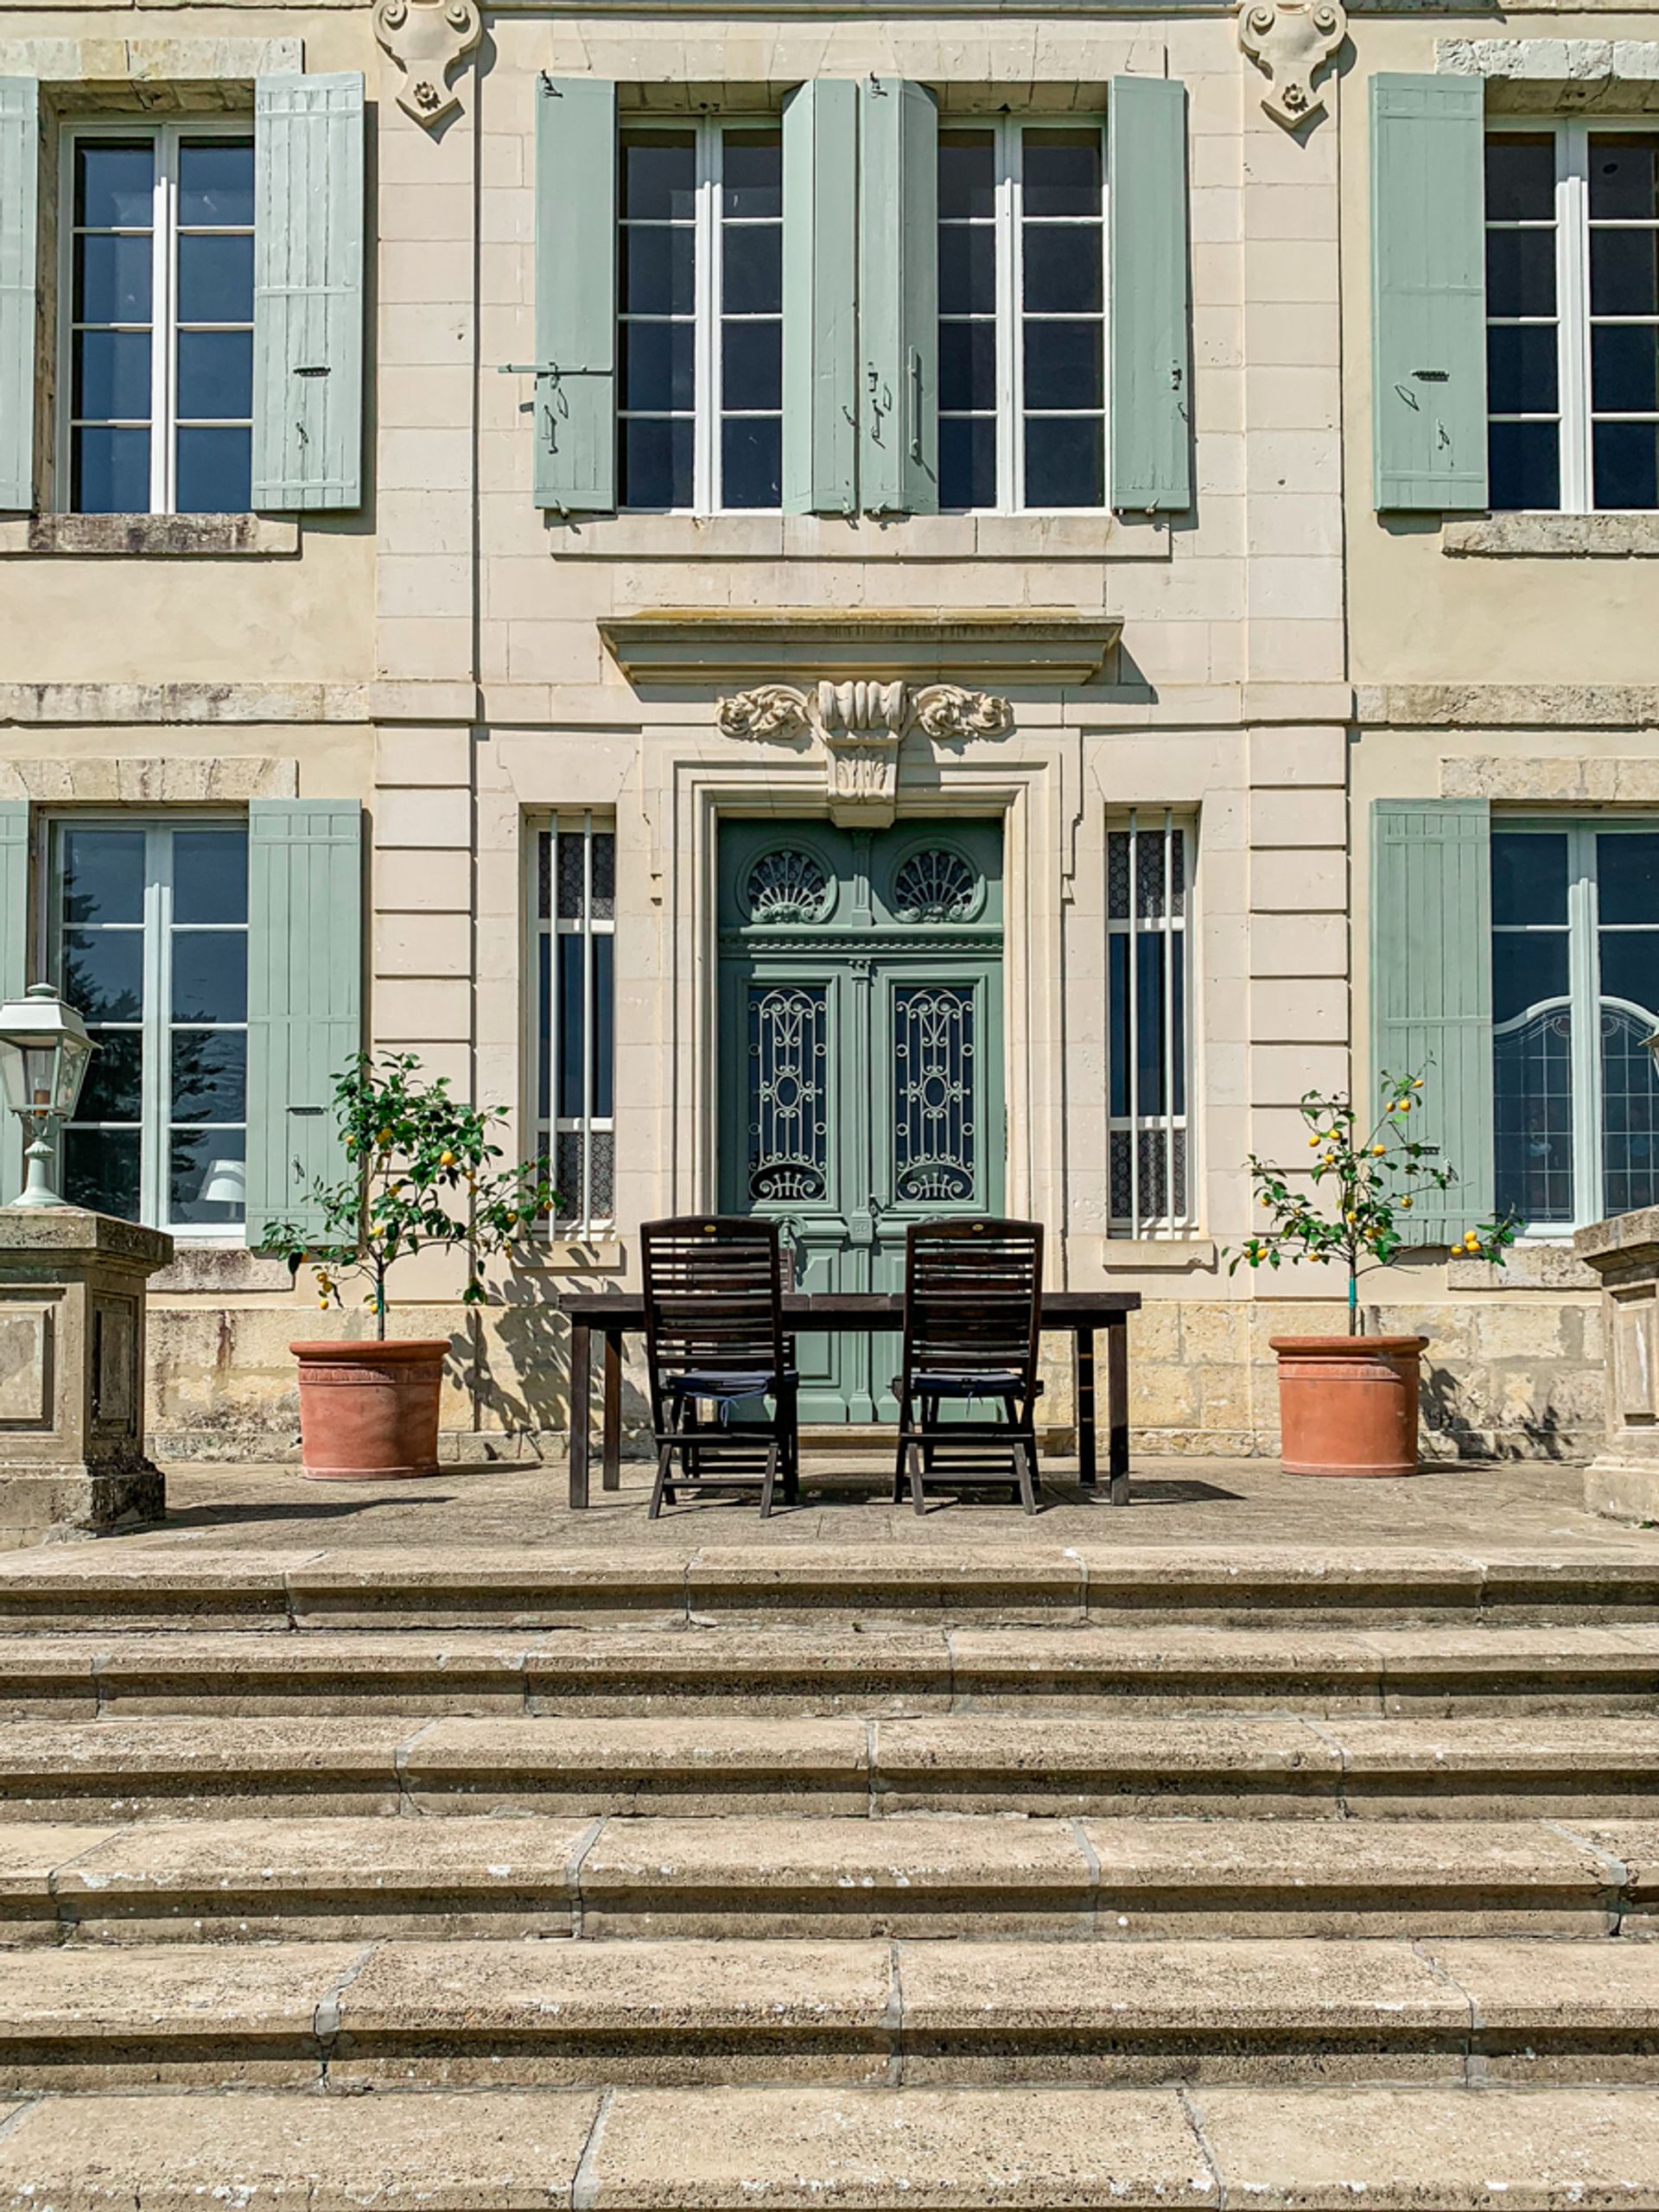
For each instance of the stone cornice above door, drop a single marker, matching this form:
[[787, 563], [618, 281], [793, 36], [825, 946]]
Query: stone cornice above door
[[1043, 647]]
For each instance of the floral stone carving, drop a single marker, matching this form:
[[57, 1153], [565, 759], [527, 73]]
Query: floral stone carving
[[427, 39], [1291, 40], [861, 724]]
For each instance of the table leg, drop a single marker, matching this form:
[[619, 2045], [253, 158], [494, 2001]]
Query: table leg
[[581, 1382], [1117, 1407], [1084, 1387], [611, 1479]]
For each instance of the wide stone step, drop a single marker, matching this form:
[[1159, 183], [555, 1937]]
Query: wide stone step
[[833, 1668], [1567, 1765], [248, 1879], [545, 2014], [925, 1578]]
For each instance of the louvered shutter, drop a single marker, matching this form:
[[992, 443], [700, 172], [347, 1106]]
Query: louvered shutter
[[821, 395], [20, 156], [1148, 311], [576, 295], [307, 298], [899, 293]]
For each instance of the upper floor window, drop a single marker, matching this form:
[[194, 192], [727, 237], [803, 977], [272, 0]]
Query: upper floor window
[[700, 417], [575, 1042], [1573, 317], [1022, 302], [156, 379]]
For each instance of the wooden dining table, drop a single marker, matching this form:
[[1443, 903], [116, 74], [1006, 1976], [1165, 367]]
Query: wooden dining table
[[1079, 1314]]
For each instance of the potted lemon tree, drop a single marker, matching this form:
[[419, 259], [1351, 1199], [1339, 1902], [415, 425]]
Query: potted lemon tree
[[422, 1170], [1348, 1404]]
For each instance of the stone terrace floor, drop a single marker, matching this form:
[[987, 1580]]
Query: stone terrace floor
[[1173, 1502]]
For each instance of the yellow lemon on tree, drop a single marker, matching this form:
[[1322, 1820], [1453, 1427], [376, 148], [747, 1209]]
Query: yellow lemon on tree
[[446, 1159]]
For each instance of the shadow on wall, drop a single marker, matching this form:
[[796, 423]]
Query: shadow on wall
[[1458, 1414], [513, 1358]]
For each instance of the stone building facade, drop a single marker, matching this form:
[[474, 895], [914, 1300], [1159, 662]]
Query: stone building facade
[[852, 611]]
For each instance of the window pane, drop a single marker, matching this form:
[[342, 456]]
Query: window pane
[[1523, 465], [1521, 368], [1630, 1113], [210, 1075], [1627, 464], [215, 279], [210, 976], [1521, 178], [752, 174], [967, 366], [1118, 1000], [1627, 879], [604, 945], [115, 183], [967, 462], [966, 175], [215, 375], [603, 888], [1624, 272], [112, 279], [109, 472], [1064, 462], [1528, 878], [1624, 176], [210, 875], [113, 1090], [206, 1175], [1520, 272], [1629, 970], [1533, 1067], [104, 974], [216, 181], [1149, 1023], [657, 269], [215, 472], [1063, 364], [658, 365], [751, 365], [111, 377], [100, 1170], [967, 270], [1528, 970], [1625, 368], [570, 1026], [103, 874], [1060, 172], [752, 268], [659, 175], [751, 460], [1062, 267], [656, 464]]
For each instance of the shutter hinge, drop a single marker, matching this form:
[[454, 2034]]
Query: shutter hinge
[[314, 371]]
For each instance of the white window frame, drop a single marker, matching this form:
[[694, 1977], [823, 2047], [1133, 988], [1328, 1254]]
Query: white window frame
[[1583, 995], [156, 1100], [581, 1220], [1571, 138], [708, 227], [163, 356], [1179, 936], [1008, 132]]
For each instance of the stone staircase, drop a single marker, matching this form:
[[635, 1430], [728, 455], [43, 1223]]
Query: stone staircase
[[795, 1875]]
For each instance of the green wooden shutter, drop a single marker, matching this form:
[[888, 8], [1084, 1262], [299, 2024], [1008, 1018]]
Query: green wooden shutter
[[308, 292], [898, 298], [14, 961], [576, 295], [304, 996], [1148, 313], [1431, 988], [821, 393], [1429, 292], [19, 155]]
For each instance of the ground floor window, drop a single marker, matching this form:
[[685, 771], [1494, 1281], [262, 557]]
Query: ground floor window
[[1148, 880], [147, 936], [1575, 986], [575, 943]]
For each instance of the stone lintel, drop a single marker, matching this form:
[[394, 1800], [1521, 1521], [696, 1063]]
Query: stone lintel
[[1505, 706], [153, 537], [1609, 536]]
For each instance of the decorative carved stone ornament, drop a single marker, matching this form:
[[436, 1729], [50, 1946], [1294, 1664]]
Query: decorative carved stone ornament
[[861, 725], [1291, 40], [427, 39]]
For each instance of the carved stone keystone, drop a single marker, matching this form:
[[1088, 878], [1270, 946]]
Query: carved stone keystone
[[427, 39], [861, 724], [1291, 40]]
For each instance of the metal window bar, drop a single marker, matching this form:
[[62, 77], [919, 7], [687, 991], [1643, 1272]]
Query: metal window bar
[[1165, 1208]]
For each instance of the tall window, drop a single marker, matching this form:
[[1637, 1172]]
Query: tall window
[[700, 414], [157, 381], [1022, 302], [1148, 872], [576, 942], [147, 938], [1573, 317], [1575, 986]]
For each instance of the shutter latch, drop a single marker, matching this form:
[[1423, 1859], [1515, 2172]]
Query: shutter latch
[[313, 372]]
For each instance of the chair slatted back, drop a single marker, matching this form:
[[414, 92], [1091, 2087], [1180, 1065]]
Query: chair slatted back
[[714, 1296], [972, 1300]]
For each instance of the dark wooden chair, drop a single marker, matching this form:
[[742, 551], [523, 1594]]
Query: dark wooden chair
[[972, 1305], [714, 1343]]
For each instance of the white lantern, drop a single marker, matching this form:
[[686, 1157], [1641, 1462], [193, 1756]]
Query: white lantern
[[44, 1049]]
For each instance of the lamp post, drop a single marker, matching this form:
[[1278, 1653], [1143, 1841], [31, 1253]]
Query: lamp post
[[44, 1049]]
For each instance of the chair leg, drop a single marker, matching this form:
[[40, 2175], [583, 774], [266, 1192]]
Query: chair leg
[[660, 1488], [901, 1453], [915, 1457], [768, 1479], [1024, 1456]]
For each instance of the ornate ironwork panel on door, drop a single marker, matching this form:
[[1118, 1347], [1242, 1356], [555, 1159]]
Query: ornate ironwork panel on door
[[788, 1091], [936, 1094]]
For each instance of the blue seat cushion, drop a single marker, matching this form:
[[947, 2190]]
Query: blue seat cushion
[[724, 1383], [991, 1384]]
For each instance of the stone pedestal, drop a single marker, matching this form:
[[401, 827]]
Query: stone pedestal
[[72, 1371], [1623, 1481]]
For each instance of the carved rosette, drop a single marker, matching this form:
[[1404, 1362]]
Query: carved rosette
[[1291, 40], [427, 39], [861, 725]]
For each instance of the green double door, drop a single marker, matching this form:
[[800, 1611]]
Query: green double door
[[861, 1061]]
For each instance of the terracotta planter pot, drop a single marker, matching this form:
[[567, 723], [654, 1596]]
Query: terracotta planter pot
[[369, 1412], [1348, 1405]]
